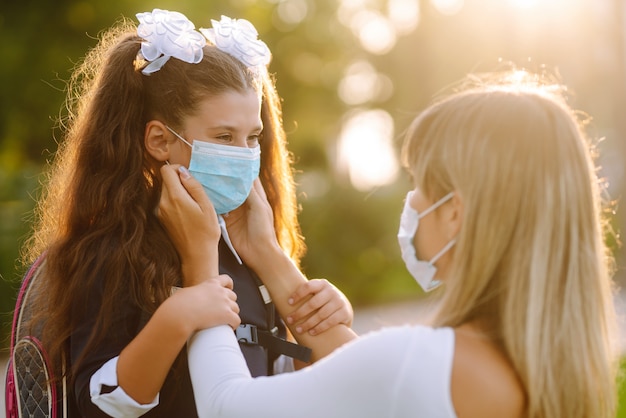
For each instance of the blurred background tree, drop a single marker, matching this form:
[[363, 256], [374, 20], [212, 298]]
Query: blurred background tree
[[353, 74]]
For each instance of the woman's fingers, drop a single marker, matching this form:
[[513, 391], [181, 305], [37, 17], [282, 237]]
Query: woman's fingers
[[317, 327], [311, 287], [190, 220], [325, 307], [313, 311], [195, 190], [174, 176]]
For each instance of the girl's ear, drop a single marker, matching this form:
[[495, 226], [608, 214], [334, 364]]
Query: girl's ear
[[155, 140]]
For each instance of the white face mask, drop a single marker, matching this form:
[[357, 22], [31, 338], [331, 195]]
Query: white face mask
[[422, 271]]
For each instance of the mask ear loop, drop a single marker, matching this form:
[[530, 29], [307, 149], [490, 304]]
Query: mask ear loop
[[426, 212], [442, 251], [437, 204], [178, 136]]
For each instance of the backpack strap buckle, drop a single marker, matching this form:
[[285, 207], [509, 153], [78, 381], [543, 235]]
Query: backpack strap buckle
[[247, 334]]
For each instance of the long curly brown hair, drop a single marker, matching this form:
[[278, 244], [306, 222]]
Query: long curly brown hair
[[95, 220]]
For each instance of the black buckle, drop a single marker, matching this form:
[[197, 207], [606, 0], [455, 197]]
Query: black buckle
[[247, 333]]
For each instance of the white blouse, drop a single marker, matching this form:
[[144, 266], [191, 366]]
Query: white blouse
[[395, 372]]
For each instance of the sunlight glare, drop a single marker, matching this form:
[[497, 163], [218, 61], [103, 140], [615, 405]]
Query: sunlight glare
[[366, 149], [362, 83], [313, 183], [524, 4], [448, 7], [292, 11], [555, 9], [374, 31], [347, 9], [518, 76], [404, 15]]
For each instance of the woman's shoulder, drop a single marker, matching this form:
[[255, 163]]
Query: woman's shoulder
[[429, 340], [417, 361], [424, 354], [421, 332], [484, 383]]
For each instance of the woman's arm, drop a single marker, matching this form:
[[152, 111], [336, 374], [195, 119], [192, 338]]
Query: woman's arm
[[251, 229], [402, 371]]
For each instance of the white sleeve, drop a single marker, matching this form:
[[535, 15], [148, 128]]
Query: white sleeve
[[115, 403], [364, 378]]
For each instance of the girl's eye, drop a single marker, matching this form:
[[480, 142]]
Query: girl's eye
[[225, 138], [254, 140]]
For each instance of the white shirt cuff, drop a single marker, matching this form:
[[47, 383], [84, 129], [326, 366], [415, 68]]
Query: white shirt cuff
[[116, 403]]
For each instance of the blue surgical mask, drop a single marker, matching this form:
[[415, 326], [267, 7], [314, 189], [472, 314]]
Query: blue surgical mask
[[422, 271], [226, 172]]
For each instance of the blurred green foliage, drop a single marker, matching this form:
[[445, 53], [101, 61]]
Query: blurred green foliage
[[621, 395], [350, 233], [18, 181]]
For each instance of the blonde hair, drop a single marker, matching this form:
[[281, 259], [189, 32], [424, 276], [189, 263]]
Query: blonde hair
[[530, 260]]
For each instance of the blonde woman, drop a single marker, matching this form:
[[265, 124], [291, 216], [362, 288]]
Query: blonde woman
[[505, 213]]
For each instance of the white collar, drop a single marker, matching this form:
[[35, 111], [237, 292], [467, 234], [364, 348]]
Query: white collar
[[222, 223]]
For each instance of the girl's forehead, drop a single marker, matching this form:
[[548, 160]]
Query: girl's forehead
[[228, 109], [229, 97]]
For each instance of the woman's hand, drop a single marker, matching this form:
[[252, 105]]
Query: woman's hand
[[207, 304], [326, 307], [251, 227], [191, 222]]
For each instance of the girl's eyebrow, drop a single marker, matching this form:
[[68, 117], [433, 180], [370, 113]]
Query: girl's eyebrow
[[258, 128]]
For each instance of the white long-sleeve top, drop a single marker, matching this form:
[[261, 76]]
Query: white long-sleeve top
[[395, 372]]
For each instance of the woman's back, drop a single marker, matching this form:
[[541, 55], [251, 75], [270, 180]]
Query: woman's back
[[484, 383]]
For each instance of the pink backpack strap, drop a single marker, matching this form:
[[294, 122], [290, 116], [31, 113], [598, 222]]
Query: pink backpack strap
[[31, 389], [20, 297]]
